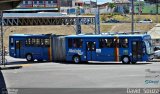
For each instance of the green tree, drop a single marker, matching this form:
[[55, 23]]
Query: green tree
[[111, 5], [157, 5]]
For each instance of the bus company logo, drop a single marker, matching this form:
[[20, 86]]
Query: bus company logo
[[79, 52], [152, 77]]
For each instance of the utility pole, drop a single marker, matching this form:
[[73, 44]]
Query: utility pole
[[2, 49], [78, 21], [90, 6], [139, 7], [157, 6], [132, 25], [97, 20], [59, 5]]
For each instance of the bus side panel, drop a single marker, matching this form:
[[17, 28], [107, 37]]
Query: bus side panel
[[106, 54], [58, 49]]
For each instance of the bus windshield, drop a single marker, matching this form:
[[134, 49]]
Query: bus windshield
[[149, 48]]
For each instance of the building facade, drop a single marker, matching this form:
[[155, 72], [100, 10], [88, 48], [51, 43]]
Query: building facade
[[50, 3], [39, 3]]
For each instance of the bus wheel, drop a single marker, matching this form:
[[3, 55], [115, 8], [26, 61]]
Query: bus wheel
[[29, 57], [125, 60], [76, 59]]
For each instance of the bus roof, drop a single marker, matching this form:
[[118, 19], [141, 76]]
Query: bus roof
[[108, 35], [28, 35], [84, 36]]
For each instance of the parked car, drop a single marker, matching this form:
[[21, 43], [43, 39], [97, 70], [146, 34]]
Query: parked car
[[111, 21], [156, 48], [146, 21], [157, 54]]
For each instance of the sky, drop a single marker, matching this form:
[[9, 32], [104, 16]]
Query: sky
[[100, 1]]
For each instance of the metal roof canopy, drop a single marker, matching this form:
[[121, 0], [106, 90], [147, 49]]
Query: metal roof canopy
[[30, 9], [26, 19]]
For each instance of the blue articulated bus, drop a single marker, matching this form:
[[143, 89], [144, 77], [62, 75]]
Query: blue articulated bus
[[127, 48]]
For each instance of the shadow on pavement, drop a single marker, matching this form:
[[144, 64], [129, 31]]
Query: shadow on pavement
[[2, 83], [102, 63], [8, 67], [25, 62], [82, 63]]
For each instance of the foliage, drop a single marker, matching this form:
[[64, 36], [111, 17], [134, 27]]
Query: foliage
[[126, 9], [103, 17], [154, 2], [111, 5], [141, 3]]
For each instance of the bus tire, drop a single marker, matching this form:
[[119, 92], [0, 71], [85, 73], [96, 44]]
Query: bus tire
[[126, 60], [29, 57], [76, 59]]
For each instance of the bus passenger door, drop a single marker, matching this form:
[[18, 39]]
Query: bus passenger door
[[17, 48], [91, 50], [137, 51]]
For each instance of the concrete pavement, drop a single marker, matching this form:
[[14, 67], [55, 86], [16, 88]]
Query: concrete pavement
[[93, 75]]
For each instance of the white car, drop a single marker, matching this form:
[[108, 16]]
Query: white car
[[157, 54], [146, 21]]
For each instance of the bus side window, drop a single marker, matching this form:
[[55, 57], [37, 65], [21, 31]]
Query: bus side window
[[47, 42], [78, 43], [37, 42], [41, 42], [28, 42], [116, 42], [124, 43], [69, 43], [33, 42], [103, 43], [75, 43], [109, 43]]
